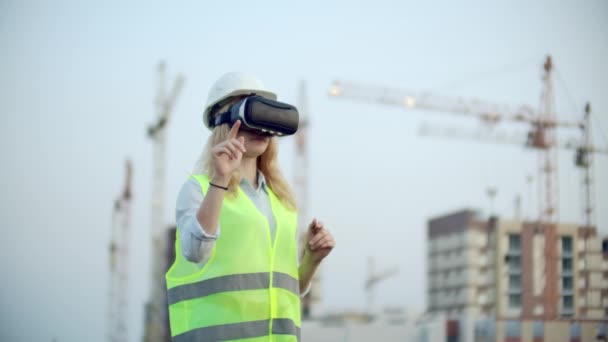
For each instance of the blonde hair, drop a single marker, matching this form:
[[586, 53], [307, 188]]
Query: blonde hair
[[266, 163]]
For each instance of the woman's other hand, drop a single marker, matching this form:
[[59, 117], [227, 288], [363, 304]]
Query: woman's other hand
[[320, 242]]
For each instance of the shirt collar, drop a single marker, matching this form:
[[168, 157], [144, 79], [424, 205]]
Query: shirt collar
[[261, 182]]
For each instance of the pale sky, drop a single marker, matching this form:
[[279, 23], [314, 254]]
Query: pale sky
[[78, 82]]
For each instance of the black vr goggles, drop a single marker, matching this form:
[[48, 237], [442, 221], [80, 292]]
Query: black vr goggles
[[261, 114]]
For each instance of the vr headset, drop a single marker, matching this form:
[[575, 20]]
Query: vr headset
[[261, 114]]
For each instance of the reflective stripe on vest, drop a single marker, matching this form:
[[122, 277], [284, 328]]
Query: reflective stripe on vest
[[249, 287], [240, 331], [234, 282]]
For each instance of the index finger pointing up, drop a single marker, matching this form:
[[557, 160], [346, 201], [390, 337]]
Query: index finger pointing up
[[234, 130]]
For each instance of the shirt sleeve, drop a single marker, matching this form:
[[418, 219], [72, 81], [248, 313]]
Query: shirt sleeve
[[301, 250], [196, 243]]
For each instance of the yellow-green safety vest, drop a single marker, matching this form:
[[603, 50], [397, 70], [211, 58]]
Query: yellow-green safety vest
[[249, 288]]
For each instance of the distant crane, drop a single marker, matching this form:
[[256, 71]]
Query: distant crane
[[119, 263], [491, 193], [302, 167], [372, 280], [156, 328], [584, 160]]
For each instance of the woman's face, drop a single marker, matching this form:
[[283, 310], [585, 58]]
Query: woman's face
[[256, 142]]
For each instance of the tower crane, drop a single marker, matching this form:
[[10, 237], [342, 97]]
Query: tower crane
[[119, 263], [156, 328], [302, 167], [541, 123]]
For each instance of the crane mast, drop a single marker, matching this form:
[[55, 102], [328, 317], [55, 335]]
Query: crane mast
[[302, 167], [119, 263], [156, 328]]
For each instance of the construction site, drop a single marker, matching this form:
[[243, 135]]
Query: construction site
[[489, 279], [457, 153]]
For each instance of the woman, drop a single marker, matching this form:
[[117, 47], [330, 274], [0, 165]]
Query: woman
[[236, 273]]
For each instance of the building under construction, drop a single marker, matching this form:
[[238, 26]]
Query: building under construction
[[514, 280]]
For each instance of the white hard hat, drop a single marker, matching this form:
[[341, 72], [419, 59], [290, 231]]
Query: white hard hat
[[234, 84]]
